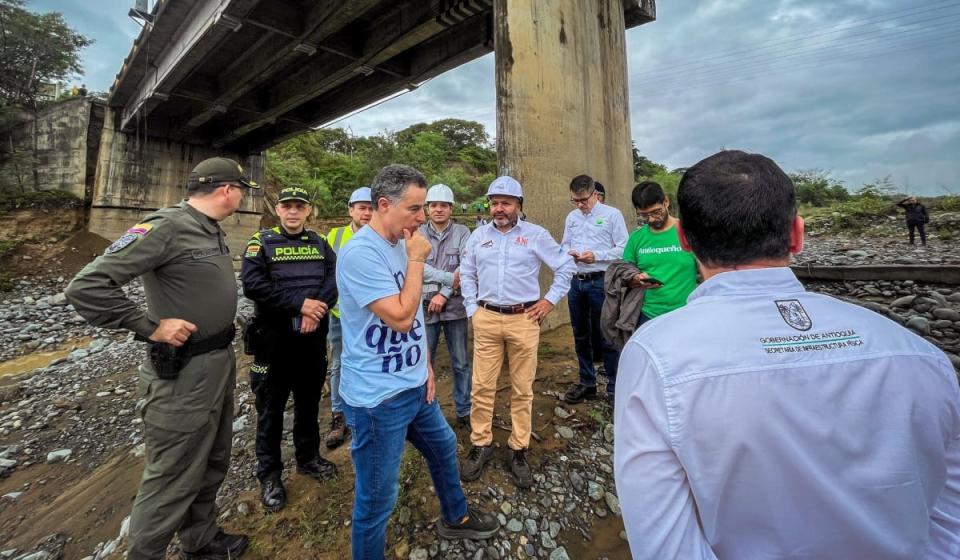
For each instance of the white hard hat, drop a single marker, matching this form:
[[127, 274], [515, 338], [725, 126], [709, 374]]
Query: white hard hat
[[506, 186], [360, 195], [440, 193]]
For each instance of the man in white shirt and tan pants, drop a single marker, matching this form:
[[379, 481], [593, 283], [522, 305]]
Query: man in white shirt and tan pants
[[499, 277]]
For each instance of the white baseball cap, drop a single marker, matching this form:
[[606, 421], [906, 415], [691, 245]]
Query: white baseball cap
[[440, 193], [360, 195], [506, 186]]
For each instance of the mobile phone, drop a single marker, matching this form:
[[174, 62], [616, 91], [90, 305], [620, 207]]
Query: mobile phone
[[297, 323]]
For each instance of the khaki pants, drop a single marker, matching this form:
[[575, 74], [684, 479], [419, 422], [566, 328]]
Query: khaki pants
[[188, 431], [496, 335]]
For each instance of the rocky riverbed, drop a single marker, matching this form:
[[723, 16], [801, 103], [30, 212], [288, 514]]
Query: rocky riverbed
[[76, 409]]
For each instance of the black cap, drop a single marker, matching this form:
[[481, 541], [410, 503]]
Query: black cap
[[598, 186], [220, 170], [294, 193]]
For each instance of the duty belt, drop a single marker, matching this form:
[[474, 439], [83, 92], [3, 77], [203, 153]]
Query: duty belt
[[220, 340], [507, 309]]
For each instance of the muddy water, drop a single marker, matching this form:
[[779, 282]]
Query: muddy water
[[25, 364]]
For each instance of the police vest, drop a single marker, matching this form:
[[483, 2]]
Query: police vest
[[297, 262], [338, 236]]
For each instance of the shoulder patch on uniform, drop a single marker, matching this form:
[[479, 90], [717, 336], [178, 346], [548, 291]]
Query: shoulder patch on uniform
[[252, 250], [141, 229], [121, 243]]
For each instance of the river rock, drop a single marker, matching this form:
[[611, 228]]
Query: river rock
[[559, 554], [594, 490], [919, 324], [419, 554], [565, 432], [59, 455], [946, 314], [514, 525], [905, 301], [612, 502]]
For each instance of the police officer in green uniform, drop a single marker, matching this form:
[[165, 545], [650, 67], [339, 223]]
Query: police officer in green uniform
[[188, 378], [288, 271]]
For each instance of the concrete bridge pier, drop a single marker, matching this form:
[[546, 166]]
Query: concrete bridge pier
[[137, 174], [562, 103]]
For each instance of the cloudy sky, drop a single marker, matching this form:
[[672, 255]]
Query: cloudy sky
[[862, 88]]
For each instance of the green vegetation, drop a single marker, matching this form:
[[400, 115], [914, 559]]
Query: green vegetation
[[331, 163], [38, 199]]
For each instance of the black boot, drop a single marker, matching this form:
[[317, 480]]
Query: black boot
[[273, 495], [224, 546], [473, 464], [580, 393], [520, 468], [319, 469]]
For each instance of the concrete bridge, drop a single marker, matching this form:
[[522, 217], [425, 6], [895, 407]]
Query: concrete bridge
[[234, 77]]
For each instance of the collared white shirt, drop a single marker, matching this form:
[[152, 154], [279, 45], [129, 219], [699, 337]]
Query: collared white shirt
[[601, 231], [762, 421], [504, 268]]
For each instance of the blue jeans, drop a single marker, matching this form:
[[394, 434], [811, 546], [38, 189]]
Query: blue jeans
[[379, 437], [335, 336], [455, 332], [586, 301]]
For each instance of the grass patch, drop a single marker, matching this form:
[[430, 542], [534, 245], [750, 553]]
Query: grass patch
[[38, 199]]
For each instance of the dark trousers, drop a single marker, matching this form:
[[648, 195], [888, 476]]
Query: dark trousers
[[296, 364], [586, 301], [919, 226]]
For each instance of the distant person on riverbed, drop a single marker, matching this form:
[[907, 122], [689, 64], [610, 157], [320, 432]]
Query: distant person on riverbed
[[764, 421], [917, 217]]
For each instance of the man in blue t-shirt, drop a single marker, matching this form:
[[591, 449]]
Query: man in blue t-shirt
[[386, 381]]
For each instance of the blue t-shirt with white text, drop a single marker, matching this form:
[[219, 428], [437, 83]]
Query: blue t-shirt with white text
[[377, 362]]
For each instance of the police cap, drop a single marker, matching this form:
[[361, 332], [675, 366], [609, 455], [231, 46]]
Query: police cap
[[293, 193], [217, 170]]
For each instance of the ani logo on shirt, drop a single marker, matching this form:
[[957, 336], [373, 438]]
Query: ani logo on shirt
[[521, 241], [794, 314]]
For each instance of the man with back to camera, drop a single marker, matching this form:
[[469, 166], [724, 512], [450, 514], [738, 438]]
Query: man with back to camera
[[288, 271], [668, 273], [441, 293], [594, 234], [387, 383], [764, 421], [360, 209], [188, 379], [501, 288]]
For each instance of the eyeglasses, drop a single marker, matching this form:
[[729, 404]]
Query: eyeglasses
[[643, 217], [584, 200]]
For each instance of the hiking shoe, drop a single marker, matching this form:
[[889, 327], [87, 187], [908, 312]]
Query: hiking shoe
[[580, 393], [473, 465], [520, 468], [476, 526], [338, 431], [273, 495], [319, 469], [224, 546], [463, 422]]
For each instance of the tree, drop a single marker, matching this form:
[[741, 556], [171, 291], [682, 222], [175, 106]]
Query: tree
[[35, 49], [644, 168], [816, 187]]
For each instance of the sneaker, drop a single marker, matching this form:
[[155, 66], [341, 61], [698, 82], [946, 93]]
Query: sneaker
[[224, 546], [520, 468], [338, 431], [580, 393], [273, 495], [476, 526], [473, 465], [463, 421], [319, 469]]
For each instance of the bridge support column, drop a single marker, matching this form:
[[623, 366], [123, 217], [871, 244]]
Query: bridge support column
[[137, 175], [562, 104]]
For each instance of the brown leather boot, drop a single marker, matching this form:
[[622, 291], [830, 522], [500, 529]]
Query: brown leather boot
[[338, 431]]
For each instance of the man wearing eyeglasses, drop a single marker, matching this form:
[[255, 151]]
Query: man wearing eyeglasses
[[669, 273], [188, 379], [594, 234]]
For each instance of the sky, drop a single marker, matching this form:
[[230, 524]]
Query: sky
[[863, 89]]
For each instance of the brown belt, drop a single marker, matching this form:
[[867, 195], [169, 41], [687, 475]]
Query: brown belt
[[507, 309]]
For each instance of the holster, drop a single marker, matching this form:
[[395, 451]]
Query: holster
[[168, 359], [258, 340]]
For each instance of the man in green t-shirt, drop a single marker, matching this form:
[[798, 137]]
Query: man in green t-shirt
[[669, 273]]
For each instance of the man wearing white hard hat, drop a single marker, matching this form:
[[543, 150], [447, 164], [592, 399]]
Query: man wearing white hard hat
[[500, 273], [442, 301], [360, 208]]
